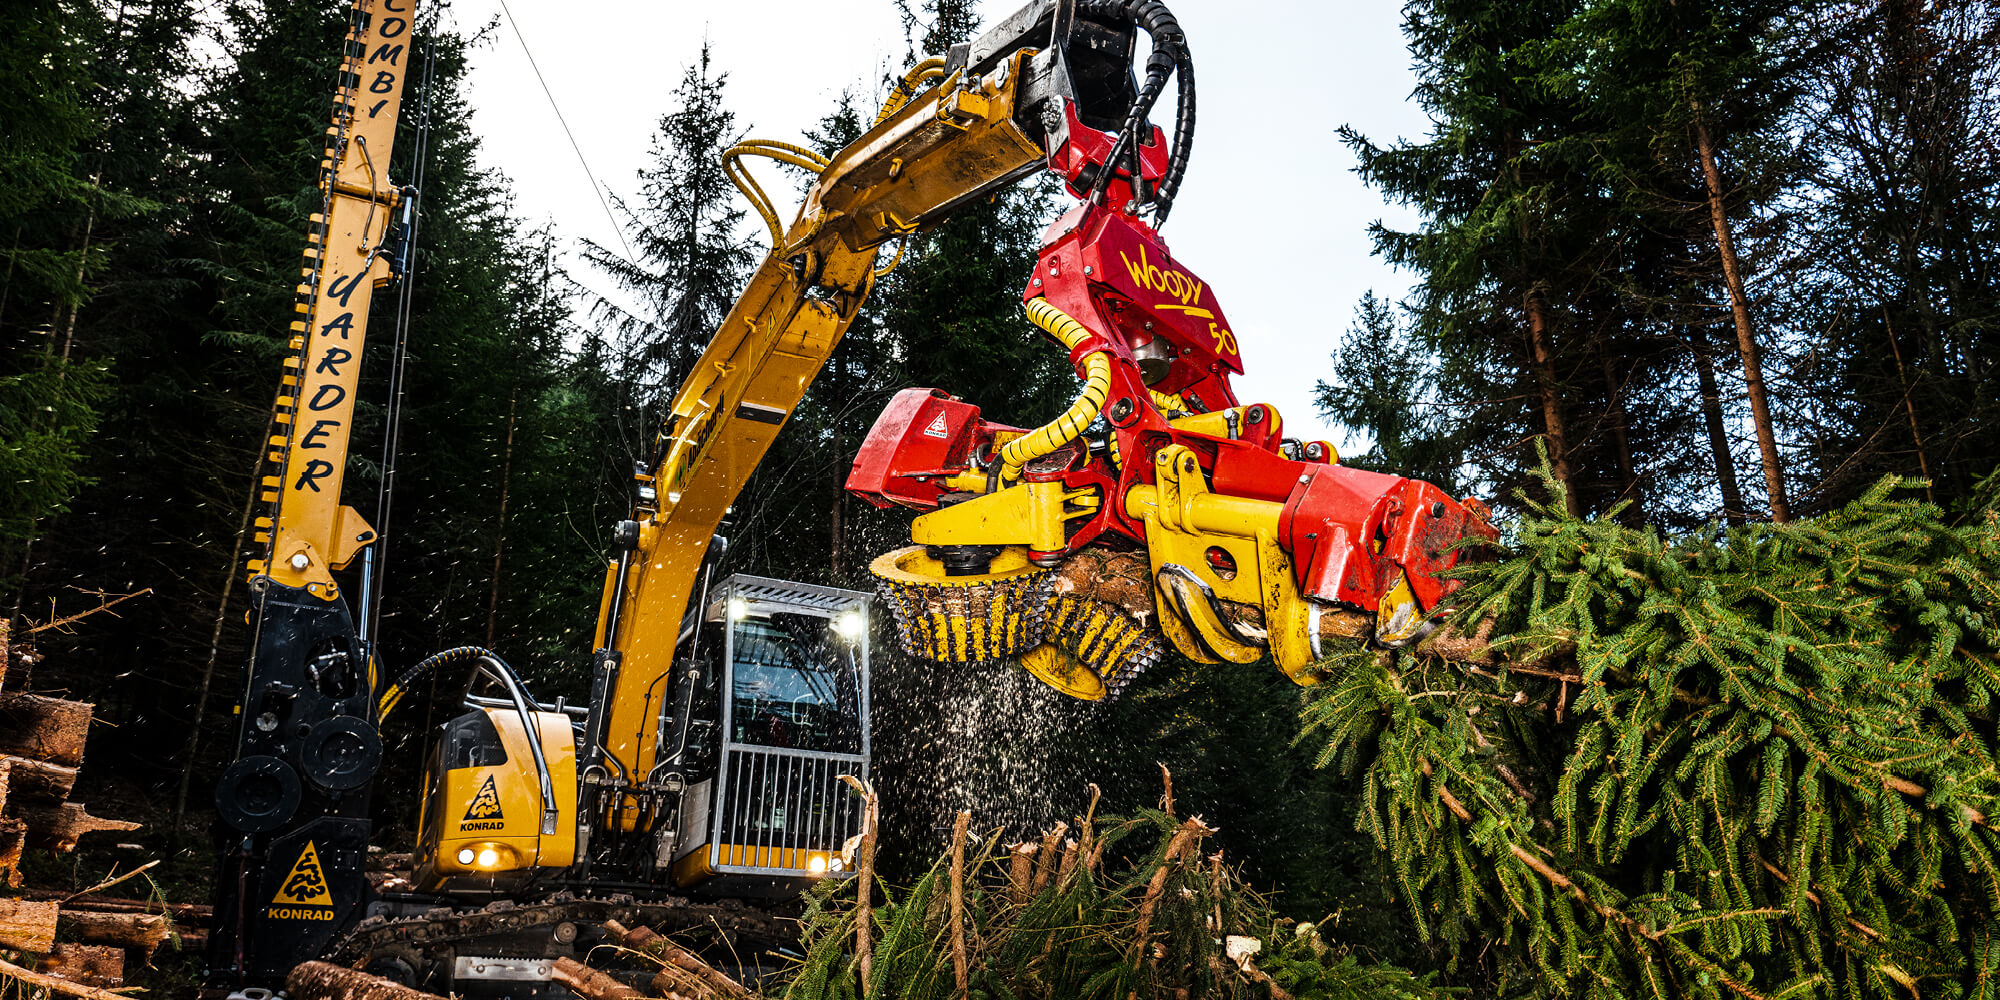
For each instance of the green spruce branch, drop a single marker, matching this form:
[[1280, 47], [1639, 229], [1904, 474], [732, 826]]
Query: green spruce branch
[[1753, 762]]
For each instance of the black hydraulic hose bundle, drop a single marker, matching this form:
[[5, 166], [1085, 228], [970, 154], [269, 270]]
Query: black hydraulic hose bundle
[[393, 694], [1170, 57], [517, 692]]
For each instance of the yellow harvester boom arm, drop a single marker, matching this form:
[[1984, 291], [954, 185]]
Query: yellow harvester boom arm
[[938, 149]]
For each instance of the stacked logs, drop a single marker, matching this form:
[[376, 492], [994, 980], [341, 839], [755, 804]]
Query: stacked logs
[[41, 751]]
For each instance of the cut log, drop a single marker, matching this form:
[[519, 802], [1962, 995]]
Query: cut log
[[50, 729], [13, 840], [88, 964], [58, 827], [9, 972], [707, 980], [141, 932], [183, 913], [38, 781], [27, 925], [326, 981], [1124, 581], [6, 771], [591, 984]]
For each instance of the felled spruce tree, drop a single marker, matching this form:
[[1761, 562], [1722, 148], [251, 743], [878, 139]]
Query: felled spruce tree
[[1756, 762], [1117, 909]]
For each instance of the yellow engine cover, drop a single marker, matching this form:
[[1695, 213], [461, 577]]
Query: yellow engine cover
[[482, 811]]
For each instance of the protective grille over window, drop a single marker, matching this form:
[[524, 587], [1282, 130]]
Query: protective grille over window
[[796, 684]]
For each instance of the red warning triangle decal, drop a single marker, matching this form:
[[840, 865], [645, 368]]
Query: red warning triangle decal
[[937, 428]]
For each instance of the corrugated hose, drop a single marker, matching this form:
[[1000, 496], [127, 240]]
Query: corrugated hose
[[1089, 403]]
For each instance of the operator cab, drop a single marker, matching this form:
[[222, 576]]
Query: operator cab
[[776, 696]]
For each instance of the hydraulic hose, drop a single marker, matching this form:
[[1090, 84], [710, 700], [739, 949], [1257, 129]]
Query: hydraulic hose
[[1170, 56], [1089, 403], [783, 152], [393, 694], [906, 88]]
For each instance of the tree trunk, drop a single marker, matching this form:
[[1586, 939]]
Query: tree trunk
[[71, 903], [959, 970], [591, 984], [32, 781], [1021, 870], [1614, 406], [1909, 407], [864, 882], [1746, 338], [9, 972], [82, 266], [13, 843], [85, 964], [500, 529], [215, 636], [141, 932], [59, 827], [839, 551], [1543, 352], [50, 729], [326, 981], [1718, 438]]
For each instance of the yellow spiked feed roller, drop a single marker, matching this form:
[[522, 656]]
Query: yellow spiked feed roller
[[964, 619], [1094, 649], [1083, 648]]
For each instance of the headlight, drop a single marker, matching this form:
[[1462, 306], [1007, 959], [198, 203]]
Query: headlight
[[850, 624], [485, 857], [739, 609], [817, 864]]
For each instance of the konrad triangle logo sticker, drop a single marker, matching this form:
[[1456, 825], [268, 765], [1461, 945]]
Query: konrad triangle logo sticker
[[937, 428], [486, 804], [306, 885]]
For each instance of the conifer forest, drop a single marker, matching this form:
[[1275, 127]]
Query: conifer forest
[[1705, 306]]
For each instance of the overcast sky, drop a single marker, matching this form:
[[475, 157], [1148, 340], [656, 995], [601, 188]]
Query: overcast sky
[[1270, 214]]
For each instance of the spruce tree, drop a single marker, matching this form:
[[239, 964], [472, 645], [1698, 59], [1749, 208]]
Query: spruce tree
[[1513, 239], [1697, 101], [692, 251], [1896, 223], [1385, 389], [1748, 762]]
